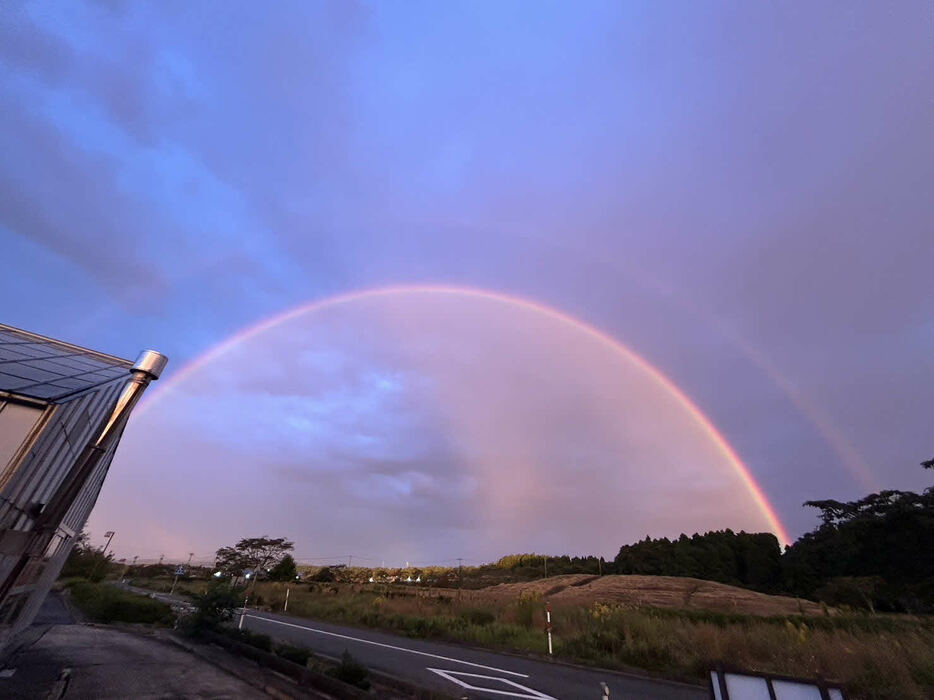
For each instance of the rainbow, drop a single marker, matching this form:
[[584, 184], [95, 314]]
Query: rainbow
[[755, 491]]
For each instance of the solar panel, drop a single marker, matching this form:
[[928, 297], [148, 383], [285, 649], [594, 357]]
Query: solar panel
[[43, 368]]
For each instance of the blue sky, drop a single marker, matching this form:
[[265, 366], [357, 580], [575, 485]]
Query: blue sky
[[739, 192]]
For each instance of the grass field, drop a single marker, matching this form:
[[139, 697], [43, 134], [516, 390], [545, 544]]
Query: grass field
[[672, 627]]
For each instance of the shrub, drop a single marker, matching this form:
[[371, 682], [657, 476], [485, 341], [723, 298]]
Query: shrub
[[852, 591], [528, 607], [352, 671], [105, 603], [298, 655], [478, 616], [214, 606], [254, 639], [324, 575]]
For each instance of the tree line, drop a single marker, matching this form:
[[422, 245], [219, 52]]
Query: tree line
[[874, 553]]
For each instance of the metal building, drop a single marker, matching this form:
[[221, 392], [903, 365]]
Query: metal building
[[62, 413]]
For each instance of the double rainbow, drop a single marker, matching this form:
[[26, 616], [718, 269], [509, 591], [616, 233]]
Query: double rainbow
[[742, 471]]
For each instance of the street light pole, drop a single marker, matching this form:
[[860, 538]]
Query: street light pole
[[109, 535]]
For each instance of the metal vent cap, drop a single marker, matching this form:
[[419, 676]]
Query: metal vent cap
[[150, 362]]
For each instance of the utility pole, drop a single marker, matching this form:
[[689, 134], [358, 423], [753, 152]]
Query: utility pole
[[349, 560], [188, 565]]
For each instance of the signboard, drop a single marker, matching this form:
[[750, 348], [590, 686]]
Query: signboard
[[743, 685]]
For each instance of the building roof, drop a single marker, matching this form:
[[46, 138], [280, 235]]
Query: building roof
[[42, 368]]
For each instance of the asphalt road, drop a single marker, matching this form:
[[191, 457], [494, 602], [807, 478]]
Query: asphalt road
[[462, 671]]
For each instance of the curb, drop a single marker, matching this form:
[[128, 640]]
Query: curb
[[262, 679]]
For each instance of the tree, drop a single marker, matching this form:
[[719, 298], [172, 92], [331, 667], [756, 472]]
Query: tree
[[285, 570], [86, 561], [324, 575], [746, 559], [232, 562], [256, 553], [879, 549]]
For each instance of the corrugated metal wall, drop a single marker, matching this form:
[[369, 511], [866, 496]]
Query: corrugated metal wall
[[68, 429]]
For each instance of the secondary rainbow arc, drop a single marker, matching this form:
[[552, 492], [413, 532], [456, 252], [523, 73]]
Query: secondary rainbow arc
[[742, 471]]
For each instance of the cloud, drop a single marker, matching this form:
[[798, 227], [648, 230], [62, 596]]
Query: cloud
[[739, 195]]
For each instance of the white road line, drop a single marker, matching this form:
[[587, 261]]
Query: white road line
[[529, 692], [390, 646]]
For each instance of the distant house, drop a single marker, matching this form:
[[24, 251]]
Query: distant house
[[63, 409]]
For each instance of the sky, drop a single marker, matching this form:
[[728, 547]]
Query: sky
[[732, 196]]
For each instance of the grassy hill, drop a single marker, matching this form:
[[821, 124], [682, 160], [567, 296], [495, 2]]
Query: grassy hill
[[656, 592]]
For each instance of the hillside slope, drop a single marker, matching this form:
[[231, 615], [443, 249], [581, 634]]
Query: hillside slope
[[655, 591]]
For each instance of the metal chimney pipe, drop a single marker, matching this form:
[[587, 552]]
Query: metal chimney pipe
[[148, 366]]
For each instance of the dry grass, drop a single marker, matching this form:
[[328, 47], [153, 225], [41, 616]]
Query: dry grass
[[656, 592]]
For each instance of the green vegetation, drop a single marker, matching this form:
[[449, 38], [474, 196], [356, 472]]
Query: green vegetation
[[739, 559], [212, 607], [254, 639], [285, 570], [352, 671], [876, 552], [295, 654], [85, 561], [106, 603]]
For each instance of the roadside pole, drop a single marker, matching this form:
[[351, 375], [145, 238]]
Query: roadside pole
[[178, 572], [253, 578], [243, 612], [286, 606], [548, 627]]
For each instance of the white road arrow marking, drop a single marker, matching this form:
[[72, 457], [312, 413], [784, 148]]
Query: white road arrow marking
[[527, 692]]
